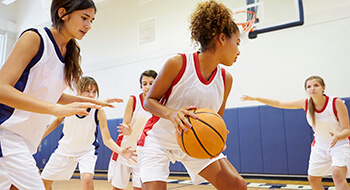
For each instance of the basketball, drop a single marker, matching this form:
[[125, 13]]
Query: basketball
[[207, 136]]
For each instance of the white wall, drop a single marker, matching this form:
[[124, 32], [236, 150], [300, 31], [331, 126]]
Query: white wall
[[273, 65]]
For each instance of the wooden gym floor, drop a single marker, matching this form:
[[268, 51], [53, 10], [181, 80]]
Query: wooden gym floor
[[184, 183]]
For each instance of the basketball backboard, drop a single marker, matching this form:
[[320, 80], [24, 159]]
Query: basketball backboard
[[271, 15]]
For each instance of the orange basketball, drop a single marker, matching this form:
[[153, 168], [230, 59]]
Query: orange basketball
[[206, 138]]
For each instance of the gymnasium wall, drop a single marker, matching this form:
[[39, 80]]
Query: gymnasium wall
[[273, 65], [262, 140]]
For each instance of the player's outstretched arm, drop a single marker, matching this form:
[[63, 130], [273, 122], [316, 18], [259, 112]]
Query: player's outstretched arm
[[107, 139], [52, 126], [67, 98], [295, 104]]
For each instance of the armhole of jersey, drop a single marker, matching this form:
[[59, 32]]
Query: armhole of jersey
[[96, 117], [134, 104], [40, 52], [223, 73], [334, 108], [306, 104], [165, 97], [182, 71]]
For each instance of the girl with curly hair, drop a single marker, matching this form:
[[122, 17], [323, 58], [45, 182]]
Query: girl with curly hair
[[186, 82]]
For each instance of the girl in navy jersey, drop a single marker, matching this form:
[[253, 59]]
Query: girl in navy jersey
[[328, 117], [185, 82], [43, 62], [79, 142], [135, 118]]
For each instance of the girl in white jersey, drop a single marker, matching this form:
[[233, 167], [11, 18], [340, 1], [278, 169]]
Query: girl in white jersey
[[135, 118], [328, 117], [42, 64], [79, 142], [185, 82]]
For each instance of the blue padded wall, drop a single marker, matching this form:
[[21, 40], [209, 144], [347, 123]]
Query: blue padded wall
[[249, 140], [262, 140]]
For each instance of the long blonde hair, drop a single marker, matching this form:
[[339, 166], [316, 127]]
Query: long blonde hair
[[311, 105]]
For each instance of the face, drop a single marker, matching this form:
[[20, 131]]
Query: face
[[79, 22], [90, 91], [231, 50], [314, 88], [146, 84]]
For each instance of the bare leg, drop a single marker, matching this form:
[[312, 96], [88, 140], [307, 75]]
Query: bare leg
[[315, 182], [222, 175], [339, 177], [154, 185], [136, 188], [47, 184], [87, 181]]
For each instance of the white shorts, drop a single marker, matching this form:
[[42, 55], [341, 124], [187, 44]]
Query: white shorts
[[61, 167], [19, 168], [119, 175], [322, 160], [154, 163]]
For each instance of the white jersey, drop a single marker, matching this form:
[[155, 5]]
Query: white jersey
[[326, 121], [139, 118], [79, 134], [44, 79], [188, 88]]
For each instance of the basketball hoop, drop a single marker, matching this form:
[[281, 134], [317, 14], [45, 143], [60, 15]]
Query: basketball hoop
[[245, 19]]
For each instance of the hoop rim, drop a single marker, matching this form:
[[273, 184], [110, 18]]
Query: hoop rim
[[247, 25]]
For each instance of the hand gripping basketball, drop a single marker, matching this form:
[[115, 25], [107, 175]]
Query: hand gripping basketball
[[207, 136]]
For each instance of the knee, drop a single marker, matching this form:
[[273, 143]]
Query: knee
[[86, 179], [339, 175], [237, 183]]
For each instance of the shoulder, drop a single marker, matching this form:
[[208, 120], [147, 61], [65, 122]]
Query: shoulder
[[175, 62]]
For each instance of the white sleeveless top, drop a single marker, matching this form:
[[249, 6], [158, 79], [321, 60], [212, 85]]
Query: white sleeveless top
[[79, 134], [188, 88], [139, 118], [325, 121], [44, 79]]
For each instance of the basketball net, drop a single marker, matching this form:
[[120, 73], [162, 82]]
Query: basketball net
[[244, 21]]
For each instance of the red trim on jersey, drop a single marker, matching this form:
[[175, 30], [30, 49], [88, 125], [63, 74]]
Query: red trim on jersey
[[165, 97], [306, 104], [335, 109], [313, 142], [223, 73], [134, 103], [119, 142], [199, 73], [324, 106], [141, 98], [149, 125]]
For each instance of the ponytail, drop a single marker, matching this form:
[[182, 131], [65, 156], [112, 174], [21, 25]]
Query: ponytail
[[311, 108], [73, 71]]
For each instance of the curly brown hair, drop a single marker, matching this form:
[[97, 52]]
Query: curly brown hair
[[208, 20]]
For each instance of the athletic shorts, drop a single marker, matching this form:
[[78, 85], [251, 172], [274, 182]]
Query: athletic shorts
[[154, 163], [119, 175], [322, 160], [19, 168], [61, 167]]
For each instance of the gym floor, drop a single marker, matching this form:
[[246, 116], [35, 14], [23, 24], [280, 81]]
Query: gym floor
[[184, 183]]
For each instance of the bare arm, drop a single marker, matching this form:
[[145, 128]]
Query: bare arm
[[67, 99], [343, 120], [228, 85], [108, 141], [295, 104], [23, 52], [160, 86], [52, 126], [125, 127]]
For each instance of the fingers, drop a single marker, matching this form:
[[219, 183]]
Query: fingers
[[112, 100]]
